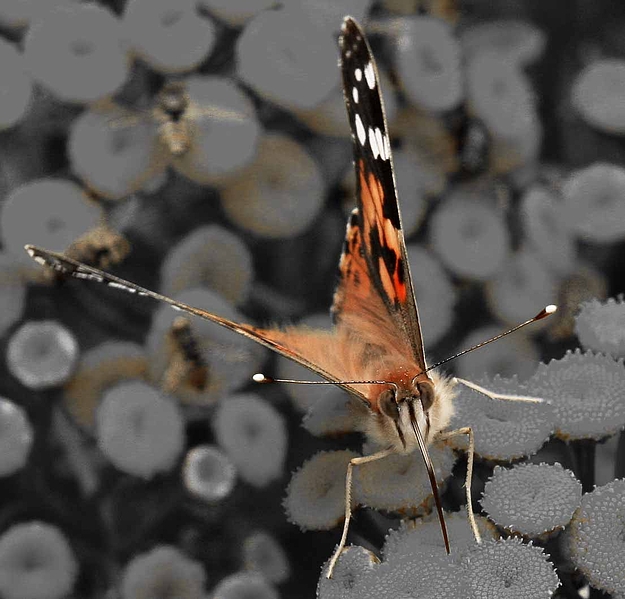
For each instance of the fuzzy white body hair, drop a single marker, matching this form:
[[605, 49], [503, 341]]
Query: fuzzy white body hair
[[381, 429]]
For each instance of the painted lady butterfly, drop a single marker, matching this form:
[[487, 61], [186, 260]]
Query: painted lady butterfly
[[375, 350]]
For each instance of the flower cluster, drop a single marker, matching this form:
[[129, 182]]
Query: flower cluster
[[201, 148]]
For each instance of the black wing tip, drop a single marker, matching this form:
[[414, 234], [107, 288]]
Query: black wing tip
[[37, 254], [351, 28]]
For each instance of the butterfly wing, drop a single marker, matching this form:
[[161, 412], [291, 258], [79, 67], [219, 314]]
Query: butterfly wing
[[297, 344], [375, 240]]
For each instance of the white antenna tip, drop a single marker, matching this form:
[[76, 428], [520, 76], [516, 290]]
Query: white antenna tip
[[546, 311], [259, 377]]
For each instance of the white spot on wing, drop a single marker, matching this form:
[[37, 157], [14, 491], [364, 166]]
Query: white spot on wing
[[373, 142], [370, 75], [355, 94], [121, 286], [380, 140], [358, 74], [360, 130]]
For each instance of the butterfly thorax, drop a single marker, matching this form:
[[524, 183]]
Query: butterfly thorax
[[420, 399]]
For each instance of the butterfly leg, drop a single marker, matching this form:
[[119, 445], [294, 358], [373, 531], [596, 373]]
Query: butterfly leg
[[348, 500], [495, 395], [466, 430]]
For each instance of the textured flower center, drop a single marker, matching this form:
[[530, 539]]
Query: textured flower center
[[430, 62], [32, 561], [82, 48], [170, 18]]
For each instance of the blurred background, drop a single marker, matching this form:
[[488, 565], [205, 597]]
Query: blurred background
[[200, 148]]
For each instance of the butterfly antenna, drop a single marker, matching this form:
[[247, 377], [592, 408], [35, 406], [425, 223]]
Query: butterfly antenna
[[261, 378], [546, 311]]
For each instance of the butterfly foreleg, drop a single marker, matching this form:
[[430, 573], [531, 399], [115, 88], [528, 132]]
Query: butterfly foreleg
[[496, 395], [466, 430], [348, 501]]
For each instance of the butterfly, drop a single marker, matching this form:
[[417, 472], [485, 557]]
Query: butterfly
[[375, 349]]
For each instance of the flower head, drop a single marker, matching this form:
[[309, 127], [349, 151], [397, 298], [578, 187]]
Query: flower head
[[253, 434], [163, 572], [519, 42], [353, 566], [404, 576], [211, 256], [100, 368], [315, 497], [140, 430], [504, 430], [274, 45], [12, 291], [500, 94], [532, 499], [263, 553], [424, 534], [261, 199], [222, 128], [593, 202], [585, 391], [36, 562], [208, 473], [585, 283], [114, 152], [600, 326], [16, 437], [515, 355], [76, 51], [525, 282], [172, 38], [331, 414], [597, 94], [42, 354], [509, 569], [18, 86], [545, 229], [469, 236], [596, 539], [428, 61], [400, 482], [50, 212], [243, 585]]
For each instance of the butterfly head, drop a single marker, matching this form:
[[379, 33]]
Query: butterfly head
[[405, 411]]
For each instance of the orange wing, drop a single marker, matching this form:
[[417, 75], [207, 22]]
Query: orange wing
[[382, 249], [316, 350]]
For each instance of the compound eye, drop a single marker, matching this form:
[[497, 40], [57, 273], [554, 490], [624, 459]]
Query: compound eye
[[387, 404], [427, 395]]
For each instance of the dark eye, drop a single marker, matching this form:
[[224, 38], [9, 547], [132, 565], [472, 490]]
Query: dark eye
[[387, 404], [426, 391]]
